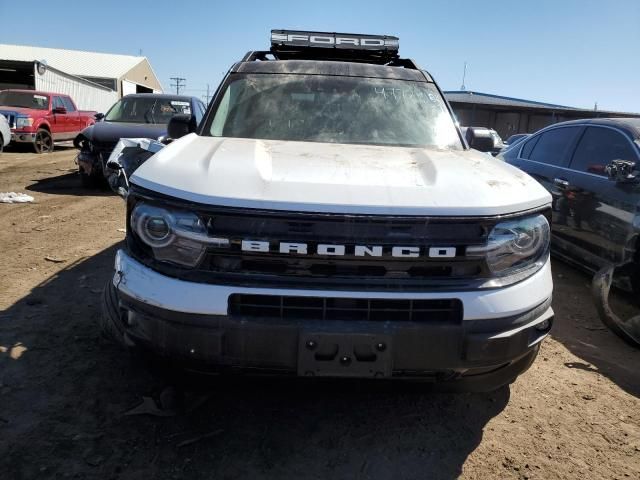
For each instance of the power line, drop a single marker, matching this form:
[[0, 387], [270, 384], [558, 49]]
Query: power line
[[179, 83]]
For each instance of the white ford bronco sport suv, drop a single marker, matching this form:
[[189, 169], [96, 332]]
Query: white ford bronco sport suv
[[327, 218]]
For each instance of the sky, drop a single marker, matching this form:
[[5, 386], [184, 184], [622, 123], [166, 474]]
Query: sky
[[571, 52]]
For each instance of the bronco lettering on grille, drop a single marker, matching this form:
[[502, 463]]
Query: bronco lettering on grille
[[399, 251]]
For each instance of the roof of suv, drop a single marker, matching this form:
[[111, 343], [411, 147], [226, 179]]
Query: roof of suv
[[320, 67]]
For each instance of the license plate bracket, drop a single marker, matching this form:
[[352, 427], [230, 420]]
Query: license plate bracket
[[345, 355]]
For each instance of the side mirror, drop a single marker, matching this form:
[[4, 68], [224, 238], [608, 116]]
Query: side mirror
[[480, 139], [60, 110], [180, 125], [621, 171], [98, 116]]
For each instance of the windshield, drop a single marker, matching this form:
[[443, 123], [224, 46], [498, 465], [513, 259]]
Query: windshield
[[315, 108], [147, 110], [24, 100]]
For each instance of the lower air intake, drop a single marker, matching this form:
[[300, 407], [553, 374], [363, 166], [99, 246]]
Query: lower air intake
[[322, 308]]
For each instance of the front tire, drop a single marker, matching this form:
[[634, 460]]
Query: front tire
[[43, 142], [110, 322]]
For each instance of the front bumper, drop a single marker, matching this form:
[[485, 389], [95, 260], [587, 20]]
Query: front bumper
[[89, 162], [496, 340], [23, 137]]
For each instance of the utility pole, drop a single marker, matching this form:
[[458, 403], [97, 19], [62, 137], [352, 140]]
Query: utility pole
[[464, 75], [207, 97], [179, 83]]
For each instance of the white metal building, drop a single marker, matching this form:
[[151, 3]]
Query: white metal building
[[94, 80]]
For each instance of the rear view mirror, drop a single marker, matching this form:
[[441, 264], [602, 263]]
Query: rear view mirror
[[60, 110], [180, 125], [480, 139], [98, 116], [622, 171]]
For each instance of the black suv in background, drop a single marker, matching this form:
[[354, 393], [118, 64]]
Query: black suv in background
[[590, 167], [142, 115]]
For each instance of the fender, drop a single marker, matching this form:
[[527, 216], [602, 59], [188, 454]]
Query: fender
[[40, 124]]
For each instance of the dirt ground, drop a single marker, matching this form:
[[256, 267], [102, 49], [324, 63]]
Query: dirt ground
[[64, 391]]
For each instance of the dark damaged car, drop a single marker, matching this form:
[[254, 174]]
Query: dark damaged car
[[143, 115], [592, 170]]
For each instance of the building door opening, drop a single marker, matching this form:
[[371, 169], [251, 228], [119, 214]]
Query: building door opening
[[16, 75], [143, 89]]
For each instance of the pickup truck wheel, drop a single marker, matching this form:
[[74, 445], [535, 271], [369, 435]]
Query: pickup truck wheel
[[1, 143], [43, 142]]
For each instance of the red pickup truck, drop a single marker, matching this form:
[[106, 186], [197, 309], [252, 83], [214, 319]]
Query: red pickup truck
[[42, 118]]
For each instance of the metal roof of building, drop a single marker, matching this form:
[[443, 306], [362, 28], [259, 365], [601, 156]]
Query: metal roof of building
[[74, 62], [465, 96]]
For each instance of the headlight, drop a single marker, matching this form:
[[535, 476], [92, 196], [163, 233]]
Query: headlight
[[22, 122], [174, 236], [515, 245]]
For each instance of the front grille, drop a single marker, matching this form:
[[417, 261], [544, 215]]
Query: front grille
[[334, 228], [362, 309], [314, 229], [320, 266], [11, 119], [232, 265]]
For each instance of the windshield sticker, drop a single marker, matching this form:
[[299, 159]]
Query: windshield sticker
[[40, 97], [398, 94], [176, 107]]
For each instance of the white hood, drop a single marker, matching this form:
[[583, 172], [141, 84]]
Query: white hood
[[338, 178]]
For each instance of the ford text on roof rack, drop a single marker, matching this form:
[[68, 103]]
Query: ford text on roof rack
[[284, 38], [326, 218]]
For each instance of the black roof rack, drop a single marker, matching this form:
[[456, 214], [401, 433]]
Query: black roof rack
[[345, 47], [258, 55], [298, 45]]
